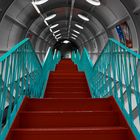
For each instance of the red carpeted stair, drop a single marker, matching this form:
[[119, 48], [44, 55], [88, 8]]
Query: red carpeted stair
[[67, 112]]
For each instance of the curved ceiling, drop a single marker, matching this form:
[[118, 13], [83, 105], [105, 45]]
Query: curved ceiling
[[19, 19]]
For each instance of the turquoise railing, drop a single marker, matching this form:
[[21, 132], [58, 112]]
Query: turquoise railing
[[49, 65], [21, 74], [115, 73]]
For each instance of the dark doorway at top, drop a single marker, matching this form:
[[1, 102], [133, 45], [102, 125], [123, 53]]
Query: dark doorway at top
[[66, 47]]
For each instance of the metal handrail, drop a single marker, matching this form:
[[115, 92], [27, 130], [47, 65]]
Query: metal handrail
[[116, 64], [22, 75]]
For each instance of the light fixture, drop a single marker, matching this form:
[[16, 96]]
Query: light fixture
[[46, 22], [56, 39], [83, 17], [94, 2], [50, 17], [36, 8], [66, 41], [58, 35], [73, 38], [76, 32], [56, 31], [80, 27], [74, 35], [51, 30], [40, 2], [53, 26]]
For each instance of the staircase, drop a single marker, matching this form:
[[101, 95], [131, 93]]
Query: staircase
[[67, 112]]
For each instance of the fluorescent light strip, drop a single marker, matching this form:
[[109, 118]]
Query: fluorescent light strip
[[74, 35], [50, 17], [40, 2], [58, 35], [53, 26], [73, 38], [80, 27], [46, 23], [51, 30], [56, 31], [36, 8], [47, 18], [76, 32], [66, 41], [94, 2], [83, 17]]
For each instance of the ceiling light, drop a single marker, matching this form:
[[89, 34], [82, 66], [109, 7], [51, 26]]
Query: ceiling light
[[83, 17], [74, 35], [56, 31], [58, 35], [76, 32], [66, 41], [46, 23], [94, 2], [36, 8], [50, 17], [73, 38], [80, 27], [40, 2], [53, 26], [51, 30]]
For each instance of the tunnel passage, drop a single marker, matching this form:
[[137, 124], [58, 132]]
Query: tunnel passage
[[86, 23], [66, 47]]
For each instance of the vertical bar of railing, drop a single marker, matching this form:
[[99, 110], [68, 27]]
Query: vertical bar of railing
[[112, 78], [16, 67]]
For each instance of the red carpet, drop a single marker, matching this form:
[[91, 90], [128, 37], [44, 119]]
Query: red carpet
[[67, 112]]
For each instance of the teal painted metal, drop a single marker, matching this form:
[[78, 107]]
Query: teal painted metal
[[10, 121], [117, 73], [22, 74], [49, 65]]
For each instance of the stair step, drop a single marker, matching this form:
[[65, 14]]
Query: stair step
[[66, 71], [68, 92], [67, 80], [66, 84], [67, 89], [64, 75], [68, 105], [109, 133], [67, 74], [68, 119], [67, 64], [67, 96], [71, 65], [66, 67]]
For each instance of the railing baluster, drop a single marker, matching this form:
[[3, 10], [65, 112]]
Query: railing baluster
[[115, 73], [22, 74]]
